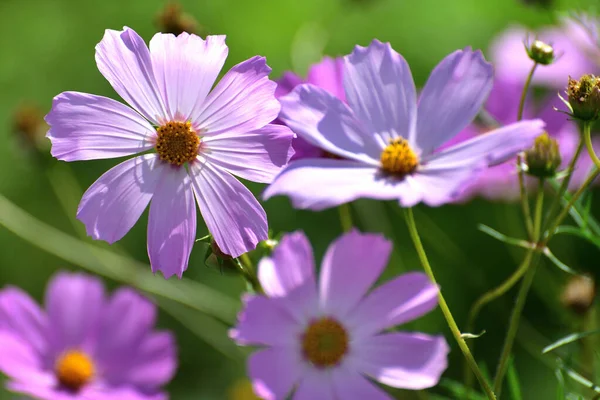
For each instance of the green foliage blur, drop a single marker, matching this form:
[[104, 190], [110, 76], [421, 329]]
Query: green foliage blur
[[47, 46]]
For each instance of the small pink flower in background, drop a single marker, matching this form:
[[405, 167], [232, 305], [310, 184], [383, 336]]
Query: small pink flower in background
[[387, 143], [327, 74], [324, 340], [201, 139], [84, 344]]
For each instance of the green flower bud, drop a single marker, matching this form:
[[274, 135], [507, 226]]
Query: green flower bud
[[584, 98], [540, 52], [543, 158]]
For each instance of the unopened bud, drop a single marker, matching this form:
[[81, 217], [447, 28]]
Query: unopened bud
[[173, 20], [28, 123], [579, 293], [544, 157], [584, 98], [540, 52]]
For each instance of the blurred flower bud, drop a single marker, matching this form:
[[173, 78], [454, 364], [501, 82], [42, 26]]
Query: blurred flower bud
[[242, 390], [543, 158], [584, 98], [579, 293], [540, 52], [173, 20], [28, 123]]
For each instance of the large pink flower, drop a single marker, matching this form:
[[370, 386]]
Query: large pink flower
[[324, 340], [200, 137]]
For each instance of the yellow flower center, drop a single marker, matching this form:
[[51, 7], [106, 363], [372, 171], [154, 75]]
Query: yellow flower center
[[398, 158], [325, 342], [74, 369], [177, 142]]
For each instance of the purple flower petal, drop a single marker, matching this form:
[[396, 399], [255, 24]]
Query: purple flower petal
[[328, 74], [22, 316], [20, 361], [114, 203], [258, 155], [186, 67], [403, 360], [124, 60], [233, 216], [287, 83], [74, 303], [351, 385], [242, 101], [400, 300], [155, 361], [314, 385], [492, 147], [350, 267], [172, 223], [90, 392], [289, 274], [318, 184], [326, 122], [88, 127], [452, 97], [265, 321], [274, 372], [381, 91]]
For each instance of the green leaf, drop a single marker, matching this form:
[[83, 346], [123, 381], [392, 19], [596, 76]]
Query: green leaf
[[560, 390], [513, 381], [584, 234], [568, 339], [472, 335], [502, 237], [562, 266], [458, 390]]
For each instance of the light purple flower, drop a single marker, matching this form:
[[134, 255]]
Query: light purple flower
[[84, 344], [201, 137], [324, 340], [327, 74], [386, 140]]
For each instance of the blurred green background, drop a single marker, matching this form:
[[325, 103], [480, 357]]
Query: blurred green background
[[47, 46]]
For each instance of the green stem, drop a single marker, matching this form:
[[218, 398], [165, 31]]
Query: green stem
[[587, 136], [414, 234], [246, 269], [564, 185], [524, 92], [515, 317], [345, 217]]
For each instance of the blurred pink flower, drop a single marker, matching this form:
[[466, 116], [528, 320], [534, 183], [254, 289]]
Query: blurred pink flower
[[322, 340], [201, 137]]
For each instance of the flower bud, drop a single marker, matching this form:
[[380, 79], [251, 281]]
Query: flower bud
[[28, 123], [584, 98], [579, 293], [540, 52], [217, 251], [543, 158], [173, 20]]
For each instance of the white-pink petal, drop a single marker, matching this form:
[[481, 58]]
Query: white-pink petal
[[274, 372], [114, 203]]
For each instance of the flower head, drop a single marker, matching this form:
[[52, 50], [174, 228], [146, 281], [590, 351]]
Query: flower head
[[540, 52], [84, 344], [324, 338], [387, 143], [200, 138], [583, 98], [543, 158]]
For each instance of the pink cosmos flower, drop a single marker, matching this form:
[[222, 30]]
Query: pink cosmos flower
[[327, 74], [322, 340], [85, 345], [386, 140], [200, 138]]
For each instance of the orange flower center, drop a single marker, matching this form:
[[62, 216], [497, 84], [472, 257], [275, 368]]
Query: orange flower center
[[74, 369], [177, 142], [325, 342], [398, 158]]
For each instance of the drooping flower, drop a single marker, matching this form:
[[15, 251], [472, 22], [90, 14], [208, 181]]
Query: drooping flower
[[327, 74], [387, 142], [201, 139], [84, 344], [324, 340]]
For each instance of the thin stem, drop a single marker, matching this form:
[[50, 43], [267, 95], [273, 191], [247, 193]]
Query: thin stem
[[587, 135], [524, 92], [414, 234], [564, 184], [248, 273], [515, 317], [345, 217]]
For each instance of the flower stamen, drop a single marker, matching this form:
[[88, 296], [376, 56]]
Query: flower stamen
[[398, 158], [325, 342], [74, 369], [177, 143]]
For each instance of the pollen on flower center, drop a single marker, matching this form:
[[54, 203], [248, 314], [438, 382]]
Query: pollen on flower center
[[74, 369], [325, 342], [398, 158], [177, 142]]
